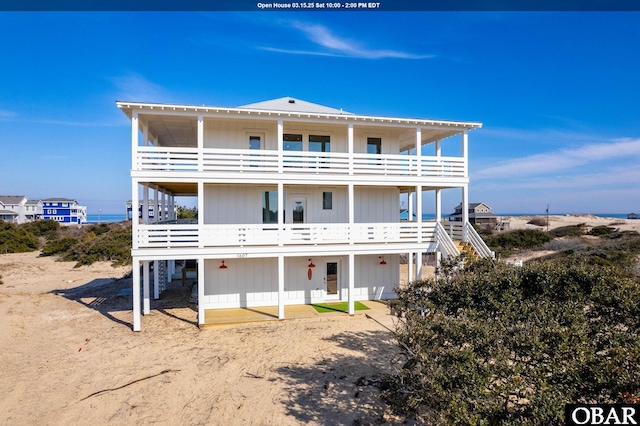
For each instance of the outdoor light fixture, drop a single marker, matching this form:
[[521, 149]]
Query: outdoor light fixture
[[223, 266], [311, 265], [310, 271], [382, 262]]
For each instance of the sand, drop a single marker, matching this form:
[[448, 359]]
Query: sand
[[68, 355], [67, 335]]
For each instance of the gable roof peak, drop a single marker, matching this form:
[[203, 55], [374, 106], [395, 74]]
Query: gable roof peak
[[291, 104]]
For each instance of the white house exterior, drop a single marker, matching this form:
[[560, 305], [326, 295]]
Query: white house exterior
[[18, 209], [298, 203]]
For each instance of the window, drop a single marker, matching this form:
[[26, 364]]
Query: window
[[255, 142], [270, 207], [292, 142], [327, 200], [319, 143], [374, 145]]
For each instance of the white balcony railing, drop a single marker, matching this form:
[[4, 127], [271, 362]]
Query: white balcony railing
[[151, 158], [190, 235]]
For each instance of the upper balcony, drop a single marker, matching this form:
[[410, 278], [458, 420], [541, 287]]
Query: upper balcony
[[234, 163]]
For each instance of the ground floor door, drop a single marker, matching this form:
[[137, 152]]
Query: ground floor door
[[332, 281]]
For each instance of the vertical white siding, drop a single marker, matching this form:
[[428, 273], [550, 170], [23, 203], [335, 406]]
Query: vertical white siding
[[376, 205]]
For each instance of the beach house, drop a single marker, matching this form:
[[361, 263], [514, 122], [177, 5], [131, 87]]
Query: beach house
[[297, 202], [65, 211], [19, 209]]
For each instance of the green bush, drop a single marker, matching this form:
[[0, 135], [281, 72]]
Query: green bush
[[521, 239], [41, 228], [58, 246], [602, 230], [494, 344], [569, 231], [113, 246], [14, 239]]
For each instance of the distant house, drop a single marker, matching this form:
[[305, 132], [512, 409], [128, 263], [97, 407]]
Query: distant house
[[64, 211], [632, 216], [479, 214], [18, 209], [33, 210]]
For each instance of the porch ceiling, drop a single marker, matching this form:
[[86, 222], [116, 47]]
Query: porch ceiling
[[173, 130], [183, 189]]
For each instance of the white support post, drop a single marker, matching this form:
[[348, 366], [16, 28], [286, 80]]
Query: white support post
[[135, 222], [438, 218], [146, 302], [352, 213], [156, 279], [280, 214], [200, 213], [163, 202], [136, 294], [280, 146], [154, 200], [200, 143], [465, 211], [145, 203], [419, 220], [352, 274], [465, 152], [410, 210], [201, 280], [134, 140], [410, 266], [350, 147], [281, 287], [419, 150]]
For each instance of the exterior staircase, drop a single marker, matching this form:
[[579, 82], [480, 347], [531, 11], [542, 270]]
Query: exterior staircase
[[467, 250]]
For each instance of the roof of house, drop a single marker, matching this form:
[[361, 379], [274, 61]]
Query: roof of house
[[8, 213], [11, 199], [33, 202], [64, 200], [472, 206], [290, 104]]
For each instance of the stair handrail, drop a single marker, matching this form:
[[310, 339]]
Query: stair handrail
[[477, 242], [445, 243]]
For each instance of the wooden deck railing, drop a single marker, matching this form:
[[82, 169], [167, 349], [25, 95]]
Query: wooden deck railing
[[151, 158]]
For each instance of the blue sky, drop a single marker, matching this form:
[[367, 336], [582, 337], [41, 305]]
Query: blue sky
[[558, 92]]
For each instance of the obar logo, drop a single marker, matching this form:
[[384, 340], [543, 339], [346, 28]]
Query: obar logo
[[602, 414]]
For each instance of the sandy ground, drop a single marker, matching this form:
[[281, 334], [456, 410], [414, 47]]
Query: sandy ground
[[556, 221], [68, 357]]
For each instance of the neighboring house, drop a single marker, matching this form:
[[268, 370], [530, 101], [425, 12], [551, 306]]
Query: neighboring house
[[12, 208], [478, 214], [632, 216], [64, 210], [33, 210], [298, 203]]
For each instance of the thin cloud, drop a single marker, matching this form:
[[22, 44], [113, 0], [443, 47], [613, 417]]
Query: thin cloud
[[563, 160], [8, 114], [333, 45], [133, 86]]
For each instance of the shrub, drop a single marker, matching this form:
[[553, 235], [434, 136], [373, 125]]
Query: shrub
[[569, 231], [41, 228], [58, 246], [538, 221], [602, 230], [113, 246], [15, 239], [521, 239], [495, 344]]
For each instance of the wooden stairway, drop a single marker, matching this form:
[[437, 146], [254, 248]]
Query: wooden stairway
[[466, 249]]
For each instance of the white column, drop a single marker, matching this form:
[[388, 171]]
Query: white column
[[200, 213], [280, 213], [136, 294], [134, 140], [163, 201], [465, 152], [419, 150], [352, 275], [350, 147], [156, 279], [201, 279], [438, 205], [200, 143], [154, 201], [135, 222], [352, 213], [419, 220], [145, 203], [465, 210], [280, 287], [280, 146], [146, 302]]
